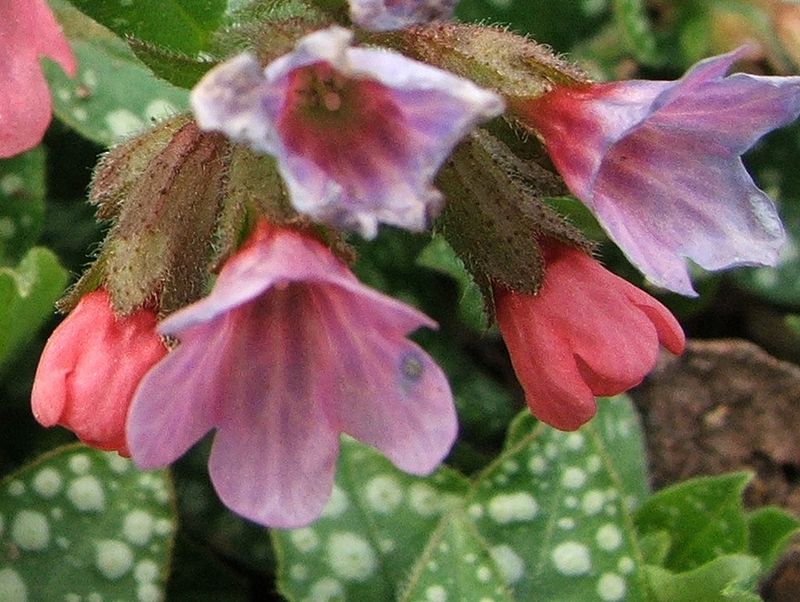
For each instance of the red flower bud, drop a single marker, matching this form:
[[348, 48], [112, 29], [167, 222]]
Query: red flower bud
[[586, 333], [91, 367]]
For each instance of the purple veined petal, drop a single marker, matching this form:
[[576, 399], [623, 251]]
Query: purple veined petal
[[275, 257], [275, 449], [304, 353], [664, 175], [390, 394], [233, 98], [386, 15], [358, 134], [176, 402], [671, 222]]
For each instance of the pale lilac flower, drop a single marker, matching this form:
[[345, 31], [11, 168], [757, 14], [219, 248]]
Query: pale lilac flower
[[28, 31], [659, 164], [386, 15], [288, 351], [358, 133]]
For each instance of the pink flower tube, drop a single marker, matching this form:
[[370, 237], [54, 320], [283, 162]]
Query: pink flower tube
[[288, 351], [91, 367], [27, 31], [587, 333]]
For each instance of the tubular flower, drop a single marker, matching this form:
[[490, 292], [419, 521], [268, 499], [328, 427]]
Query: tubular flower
[[358, 133], [91, 367], [586, 333], [385, 15], [659, 164], [288, 351], [27, 31]]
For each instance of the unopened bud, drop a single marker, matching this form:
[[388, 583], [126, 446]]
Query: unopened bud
[[91, 367]]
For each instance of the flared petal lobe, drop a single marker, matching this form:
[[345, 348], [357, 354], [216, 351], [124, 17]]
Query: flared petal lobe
[[91, 367], [659, 164], [386, 15], [358, 134], [288, 351], [28, 31], [587, 333]]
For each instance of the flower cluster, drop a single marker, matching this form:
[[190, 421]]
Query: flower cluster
[[289, 350]]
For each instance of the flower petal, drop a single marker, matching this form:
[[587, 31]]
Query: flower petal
[[358, 133], [27, 30], [386, 15], [586, 333], [659, 164]]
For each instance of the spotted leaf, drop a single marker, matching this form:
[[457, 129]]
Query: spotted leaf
[[374, 526], [113, 95], [27, 295], [22, 188], [560, 506], [182, 25], [704, 517], [458, 565], [79, 524]]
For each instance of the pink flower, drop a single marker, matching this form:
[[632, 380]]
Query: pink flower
[[358, 133], [587, 333], [91, 367], [659, 164], [27, 31], [288, 351], [385, 15]]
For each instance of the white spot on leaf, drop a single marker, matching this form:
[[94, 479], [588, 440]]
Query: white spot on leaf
[[351, 557], [47, 482], [113, 558], [30, 531], [513, 507], [86, 494], [571, 559]]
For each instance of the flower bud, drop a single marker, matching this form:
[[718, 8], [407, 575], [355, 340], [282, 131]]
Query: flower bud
[[586, 333], [91, 367]]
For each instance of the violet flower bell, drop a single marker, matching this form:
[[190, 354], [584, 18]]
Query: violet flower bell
[[358, 133], [586, 333], [28, 31], [288, 351], [386, 15], [659, 164]]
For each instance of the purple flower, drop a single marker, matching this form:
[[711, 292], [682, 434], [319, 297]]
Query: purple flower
[[385, 15], [659, 164], [358, 133], [288, 351]]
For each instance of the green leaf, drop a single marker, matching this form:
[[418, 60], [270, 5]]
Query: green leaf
[[631, 18], [770, 530], [561, 504], [457, 565], [82, 524], [560, 24], [22, 187], [181, 25], [175, 67], [655, 547], [439, 255], [27, 296], [704, 517], [113, 95], [726, 579], [375, 525]]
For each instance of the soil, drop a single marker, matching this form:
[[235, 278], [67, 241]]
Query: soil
[[725, 406]]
